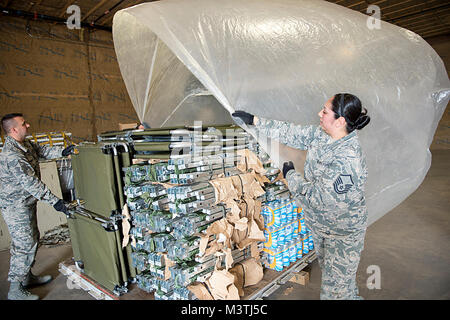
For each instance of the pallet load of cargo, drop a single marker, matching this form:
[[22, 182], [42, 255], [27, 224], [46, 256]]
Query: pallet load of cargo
[[200, 211], [176, 220]]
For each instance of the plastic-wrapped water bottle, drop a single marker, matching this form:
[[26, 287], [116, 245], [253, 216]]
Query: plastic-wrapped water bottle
[[281, 237], [279, 260], [288, 232], [302, 225], [292, 251], [270, 261], [294, 210], [305, 241], [275, 210], [289, 207], [286, 258], [266, 216], [274, 236], [310, 243], [295, 228], [299, 247], [283, 212], [271, 238]]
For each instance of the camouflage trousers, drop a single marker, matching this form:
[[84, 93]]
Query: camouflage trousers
[[22, 226], [338, 258]]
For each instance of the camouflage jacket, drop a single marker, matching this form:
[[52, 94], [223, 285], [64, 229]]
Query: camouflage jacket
[[20, 183], [332, 191]]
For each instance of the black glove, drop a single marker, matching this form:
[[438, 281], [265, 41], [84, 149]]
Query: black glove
[[61, 207], [245, 116], [286, 167], [68, 150]]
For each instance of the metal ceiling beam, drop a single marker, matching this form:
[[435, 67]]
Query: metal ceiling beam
[[388, 6], [101, 3], [427, 21], [385, 12], [68, 4], [111, 14], [32, 4], [422, 4], [357, 4], [418, 13], [434, 34], [428, 14], [429, 29], [420, 23], [43, 17]]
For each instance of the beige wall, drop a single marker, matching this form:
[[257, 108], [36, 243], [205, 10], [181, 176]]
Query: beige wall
[[5, 238], [61, 79]]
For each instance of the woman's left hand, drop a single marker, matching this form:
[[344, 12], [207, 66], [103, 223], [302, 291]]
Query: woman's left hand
[[287, 166]]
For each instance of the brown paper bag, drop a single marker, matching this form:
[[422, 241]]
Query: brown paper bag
[[168, 263], [200, 291], [247, 273], [249, 161], [221, 285], [126, 226], [224, 189]]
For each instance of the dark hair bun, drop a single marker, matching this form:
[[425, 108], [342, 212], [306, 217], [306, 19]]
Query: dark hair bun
[[349, 106], [362, 121]]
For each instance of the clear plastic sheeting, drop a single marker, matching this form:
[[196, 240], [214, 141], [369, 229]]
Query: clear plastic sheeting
[[186, 60], [65, 174]]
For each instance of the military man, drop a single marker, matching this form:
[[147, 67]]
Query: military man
[[20, 189], [332, 191]]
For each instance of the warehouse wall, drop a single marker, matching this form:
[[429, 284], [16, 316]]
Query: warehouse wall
[[441, 45], [61, 79]]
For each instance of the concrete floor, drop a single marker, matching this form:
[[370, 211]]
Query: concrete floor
[[410, 245]]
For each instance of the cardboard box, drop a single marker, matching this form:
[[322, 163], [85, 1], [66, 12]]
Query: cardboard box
[[301, 277], [47, 217]]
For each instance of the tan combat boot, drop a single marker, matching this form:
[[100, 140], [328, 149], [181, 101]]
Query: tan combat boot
[[18, 292], [32, 280]]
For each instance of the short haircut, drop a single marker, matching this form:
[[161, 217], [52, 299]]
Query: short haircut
[[7, 121]]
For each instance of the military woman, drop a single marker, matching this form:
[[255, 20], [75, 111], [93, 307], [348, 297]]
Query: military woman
[[332, 190]]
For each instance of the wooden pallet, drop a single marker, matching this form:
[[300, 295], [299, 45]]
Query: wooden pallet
[[271, 281], [78, 280]]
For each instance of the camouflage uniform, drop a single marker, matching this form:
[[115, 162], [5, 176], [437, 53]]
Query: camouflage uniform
[[20, 189], [332, 197]]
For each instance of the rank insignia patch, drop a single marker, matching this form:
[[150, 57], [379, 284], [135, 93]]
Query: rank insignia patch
[[343, 183]]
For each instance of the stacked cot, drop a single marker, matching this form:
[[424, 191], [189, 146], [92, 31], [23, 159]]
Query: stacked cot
[[154, 207]]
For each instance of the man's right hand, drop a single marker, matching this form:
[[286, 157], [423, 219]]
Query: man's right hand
[[61, 207], [68, 151]]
